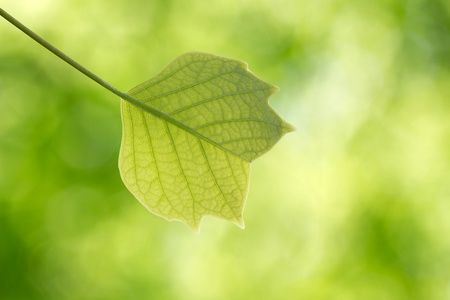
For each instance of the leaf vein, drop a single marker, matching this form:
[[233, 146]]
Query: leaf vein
[[212, 99], [150, 99], [147, 84], [215, 179], [155, 160], [237, 120], [181, 168]]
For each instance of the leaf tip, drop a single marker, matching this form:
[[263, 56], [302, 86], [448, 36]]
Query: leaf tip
[[194, 227], [274, 88], [239, 222], [288, 127]]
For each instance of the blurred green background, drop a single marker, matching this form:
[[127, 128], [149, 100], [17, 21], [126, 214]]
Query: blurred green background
[[353, 205]]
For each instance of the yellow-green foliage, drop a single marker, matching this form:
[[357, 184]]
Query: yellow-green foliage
[[196, 161]]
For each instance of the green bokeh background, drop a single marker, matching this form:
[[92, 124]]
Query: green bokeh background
[[353, 205]]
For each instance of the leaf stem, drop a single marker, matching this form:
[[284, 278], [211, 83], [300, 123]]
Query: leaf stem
[[58, 53], [82, 69]]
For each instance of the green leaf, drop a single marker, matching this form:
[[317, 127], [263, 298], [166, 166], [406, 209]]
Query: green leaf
[[195, 161]]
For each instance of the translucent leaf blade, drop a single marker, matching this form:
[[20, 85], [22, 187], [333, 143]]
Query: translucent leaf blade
[[196, 162]]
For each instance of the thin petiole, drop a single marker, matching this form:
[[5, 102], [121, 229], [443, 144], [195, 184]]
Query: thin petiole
[[58, 53], [82, 69]]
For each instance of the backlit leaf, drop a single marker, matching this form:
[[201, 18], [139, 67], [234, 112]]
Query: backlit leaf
[[196, 160]]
